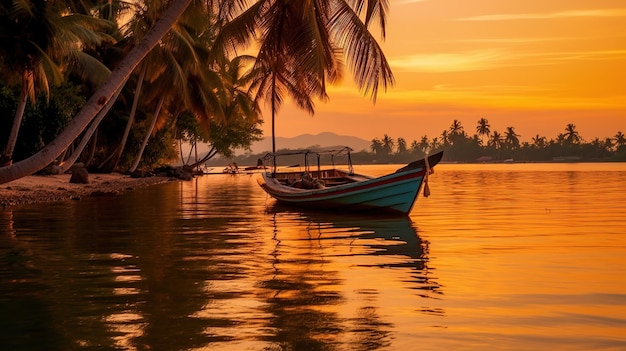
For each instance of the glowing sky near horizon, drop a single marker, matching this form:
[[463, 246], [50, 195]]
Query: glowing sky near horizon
[[533, 65]]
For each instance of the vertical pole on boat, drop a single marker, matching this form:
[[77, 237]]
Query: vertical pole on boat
[[427, 172], [319, 169], [350, 168], [273, 113], [274, 163]]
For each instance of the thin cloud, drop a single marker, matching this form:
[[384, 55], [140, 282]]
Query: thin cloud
[[525, 40], [481, 60], [502, 96], [405, 2], [448, 62], [553, 15]]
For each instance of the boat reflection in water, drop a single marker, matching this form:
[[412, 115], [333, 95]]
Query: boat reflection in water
[[337, 278]]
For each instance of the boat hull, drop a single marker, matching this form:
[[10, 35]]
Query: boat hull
[[392, 193], [395, 192]]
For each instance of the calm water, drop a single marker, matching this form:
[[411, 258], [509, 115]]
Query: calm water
[[500, 257]]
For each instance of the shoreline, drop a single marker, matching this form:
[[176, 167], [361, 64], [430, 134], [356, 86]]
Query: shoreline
[[52, 188]]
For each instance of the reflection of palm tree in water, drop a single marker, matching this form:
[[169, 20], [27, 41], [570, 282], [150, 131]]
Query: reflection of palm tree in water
[[304, 287], [297, 295], [399, 239]]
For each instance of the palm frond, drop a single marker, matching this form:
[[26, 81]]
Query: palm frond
[[89, 69], [366, 59]]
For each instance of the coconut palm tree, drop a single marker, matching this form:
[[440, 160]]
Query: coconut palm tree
[[215, 92], [456, 128], [511, 138], [67, 163], [539, 142], [388, 144], [571, 135], [445, 138], [154, 65], [424, 144], [376, 146], [620, 139], [496, 141], [303, 45], [415, 147], [402, 147], [435, 143], [34, 36], [483, 128]]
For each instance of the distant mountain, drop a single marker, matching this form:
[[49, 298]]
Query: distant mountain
[[308, 140]]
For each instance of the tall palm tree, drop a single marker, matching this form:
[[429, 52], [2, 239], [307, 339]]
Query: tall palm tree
[[415, 147], [539, 142], [456, 128], [402, 147], [483, 128], [376, 146], [620, 139], [435, 143], [34, 36], [303, 45], [511, 138], [571, 135], [496, 141], [388, 144], [153, 65], [445, 138], [424, 144]]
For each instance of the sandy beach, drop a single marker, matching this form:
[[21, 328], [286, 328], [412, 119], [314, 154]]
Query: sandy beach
[[50, 188]]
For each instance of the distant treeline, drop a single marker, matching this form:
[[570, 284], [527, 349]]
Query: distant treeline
[[484, 145]]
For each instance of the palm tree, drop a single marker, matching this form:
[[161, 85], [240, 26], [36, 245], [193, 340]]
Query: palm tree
[[182, 76], [241, 112], [483, 128], [456, 128], [620, 139], [511, 138], [402, 147], [415, 146], [302, 43], [388, 144], [89, 111], [571, 135], [435, 144], [539, 141], [376, 146], [424, 144], [496, 141], [66, 164], [36, 35]]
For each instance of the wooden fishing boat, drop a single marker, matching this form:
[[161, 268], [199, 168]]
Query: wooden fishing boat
[[331, 188]]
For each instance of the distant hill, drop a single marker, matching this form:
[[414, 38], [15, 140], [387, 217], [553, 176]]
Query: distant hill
[[307, 140]]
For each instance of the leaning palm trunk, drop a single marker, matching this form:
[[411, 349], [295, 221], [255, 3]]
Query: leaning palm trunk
[[7, 156], [148, 133], [114, 158], [78, 124], [67, 164], [206, 157]]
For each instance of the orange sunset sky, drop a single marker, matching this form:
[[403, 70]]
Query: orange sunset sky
[[535, 65]]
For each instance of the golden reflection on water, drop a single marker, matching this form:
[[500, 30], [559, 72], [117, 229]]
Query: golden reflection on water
[[533, 249], [499, 257]]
